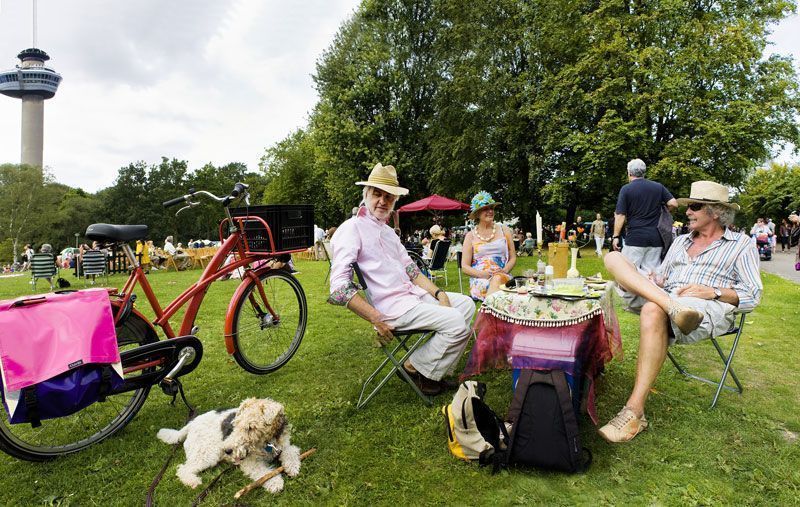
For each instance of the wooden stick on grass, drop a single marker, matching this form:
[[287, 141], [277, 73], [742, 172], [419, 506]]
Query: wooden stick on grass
[[250, 487]]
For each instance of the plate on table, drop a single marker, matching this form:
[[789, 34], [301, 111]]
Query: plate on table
[[514, 290], [568, 296], [596, 285]]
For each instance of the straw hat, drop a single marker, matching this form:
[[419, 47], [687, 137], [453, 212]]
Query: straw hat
[[708, 192], [480, 202], [385, 178], [436, 232]]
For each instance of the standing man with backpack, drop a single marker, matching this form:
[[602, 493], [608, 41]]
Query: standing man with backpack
[[639, 206]]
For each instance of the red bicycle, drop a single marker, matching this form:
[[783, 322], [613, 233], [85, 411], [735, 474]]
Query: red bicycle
[[264, 324]]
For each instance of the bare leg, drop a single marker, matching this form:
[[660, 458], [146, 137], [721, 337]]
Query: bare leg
[[653, 342], [626, 274], [631, 280]]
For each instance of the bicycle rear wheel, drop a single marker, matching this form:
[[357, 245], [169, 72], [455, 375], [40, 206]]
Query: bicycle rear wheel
[[263, 343], [64, 435]]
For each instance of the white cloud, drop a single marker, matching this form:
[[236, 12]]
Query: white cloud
[[204, 81]]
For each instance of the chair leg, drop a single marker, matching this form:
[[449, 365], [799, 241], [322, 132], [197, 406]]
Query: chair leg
[[728, 369], [396, 366], [727, 359]]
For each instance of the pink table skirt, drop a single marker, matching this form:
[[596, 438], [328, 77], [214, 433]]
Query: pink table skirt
[[589, 345]]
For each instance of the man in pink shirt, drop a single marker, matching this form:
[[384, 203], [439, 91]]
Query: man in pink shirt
[[402, 297]]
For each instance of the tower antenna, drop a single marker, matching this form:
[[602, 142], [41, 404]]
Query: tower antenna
[[34, 23]]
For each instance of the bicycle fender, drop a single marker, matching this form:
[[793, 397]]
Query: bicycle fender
[[116, 306], [232, 305]]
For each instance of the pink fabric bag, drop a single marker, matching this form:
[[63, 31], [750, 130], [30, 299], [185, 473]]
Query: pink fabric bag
[[43, 336]]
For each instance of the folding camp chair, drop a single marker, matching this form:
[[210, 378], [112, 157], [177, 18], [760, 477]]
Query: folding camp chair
[[395, 357], [93, 263], [43, 265], [438, 263], [726, 359]]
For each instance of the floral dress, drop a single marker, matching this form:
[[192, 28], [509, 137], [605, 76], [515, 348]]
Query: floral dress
[[486, 255]]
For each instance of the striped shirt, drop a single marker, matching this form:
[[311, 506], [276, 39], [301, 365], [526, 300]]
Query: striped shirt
[[730, 262]]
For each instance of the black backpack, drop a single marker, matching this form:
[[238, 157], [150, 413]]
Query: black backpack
[[545, 425]]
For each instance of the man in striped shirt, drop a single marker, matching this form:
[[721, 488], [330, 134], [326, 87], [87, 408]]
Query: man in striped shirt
[[706, 275]]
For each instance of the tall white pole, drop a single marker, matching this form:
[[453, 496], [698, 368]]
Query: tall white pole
[[34, 23]]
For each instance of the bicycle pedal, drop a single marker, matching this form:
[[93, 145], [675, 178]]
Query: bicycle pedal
[[170, 387]]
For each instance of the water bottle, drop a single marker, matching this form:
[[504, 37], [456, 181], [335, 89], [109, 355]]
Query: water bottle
[[540, 264], [548, 279]]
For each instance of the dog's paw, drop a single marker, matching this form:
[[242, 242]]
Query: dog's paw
[[274, 485], [291, 467], [188, 478]]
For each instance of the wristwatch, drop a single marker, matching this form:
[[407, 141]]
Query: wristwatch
[[717, 293]]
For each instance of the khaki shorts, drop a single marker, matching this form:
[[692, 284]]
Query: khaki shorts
[[718, 317]]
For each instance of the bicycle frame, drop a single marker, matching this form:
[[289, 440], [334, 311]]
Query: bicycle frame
[[236, 242]]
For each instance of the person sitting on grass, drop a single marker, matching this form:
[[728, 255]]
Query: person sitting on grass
[[705, 276], [528, 246], [402, 296]]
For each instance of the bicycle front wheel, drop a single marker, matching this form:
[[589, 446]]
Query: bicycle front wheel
[[265, 340], [64, 435]]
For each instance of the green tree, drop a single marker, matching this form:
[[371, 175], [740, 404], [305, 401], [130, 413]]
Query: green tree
[[681, 85], [771, 192], [21, 203]]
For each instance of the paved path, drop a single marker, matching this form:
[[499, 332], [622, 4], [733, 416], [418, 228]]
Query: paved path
[[782, 264]]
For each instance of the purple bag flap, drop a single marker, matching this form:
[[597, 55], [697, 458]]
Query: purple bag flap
[[42, 336]]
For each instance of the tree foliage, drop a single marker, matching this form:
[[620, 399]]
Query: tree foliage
[[541, 103], [34, 209], [772, 192]]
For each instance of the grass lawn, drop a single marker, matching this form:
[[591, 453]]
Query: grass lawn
[[745, 451]]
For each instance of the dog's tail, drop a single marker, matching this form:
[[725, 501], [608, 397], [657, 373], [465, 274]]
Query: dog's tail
[[170, 436]]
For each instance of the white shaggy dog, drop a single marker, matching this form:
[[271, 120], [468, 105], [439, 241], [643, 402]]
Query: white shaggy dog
[[250, 436]]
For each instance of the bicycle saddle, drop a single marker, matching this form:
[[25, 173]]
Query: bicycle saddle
[[109, 232]]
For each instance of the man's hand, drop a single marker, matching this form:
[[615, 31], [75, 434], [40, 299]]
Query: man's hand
[[443, 299], [696, 291], [656, 278], [615, 245], [384, 331]]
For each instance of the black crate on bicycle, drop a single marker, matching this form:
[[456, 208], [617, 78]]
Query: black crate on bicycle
[[292, 226]]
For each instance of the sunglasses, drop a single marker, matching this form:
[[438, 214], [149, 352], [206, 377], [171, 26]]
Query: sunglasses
[[695, 206]]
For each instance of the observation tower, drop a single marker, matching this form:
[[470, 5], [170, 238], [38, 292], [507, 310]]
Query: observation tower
[[34, 83]]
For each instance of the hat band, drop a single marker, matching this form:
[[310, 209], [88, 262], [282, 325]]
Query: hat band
[[383, 181]]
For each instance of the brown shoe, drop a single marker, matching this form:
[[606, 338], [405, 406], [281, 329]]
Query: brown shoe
[[449, 384], [684, 317], [623, 427], [427, 386]]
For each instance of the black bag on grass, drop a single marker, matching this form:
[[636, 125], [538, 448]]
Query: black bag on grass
[[545, 425]]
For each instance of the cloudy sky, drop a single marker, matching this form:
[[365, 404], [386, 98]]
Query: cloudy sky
[[199, 80]]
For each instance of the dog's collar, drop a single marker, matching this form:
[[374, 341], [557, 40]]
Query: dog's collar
[[271, 451]]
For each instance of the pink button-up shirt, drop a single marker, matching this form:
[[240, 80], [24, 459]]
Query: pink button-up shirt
[[384, 262]]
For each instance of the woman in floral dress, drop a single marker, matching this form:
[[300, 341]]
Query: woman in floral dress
[[489, 254]]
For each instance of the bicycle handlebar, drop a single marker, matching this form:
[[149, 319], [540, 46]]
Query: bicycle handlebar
[[238, 190], [173, 202]]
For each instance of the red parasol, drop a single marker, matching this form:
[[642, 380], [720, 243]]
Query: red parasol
[[433, 204]]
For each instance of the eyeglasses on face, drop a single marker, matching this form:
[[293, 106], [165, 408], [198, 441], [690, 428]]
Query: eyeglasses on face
[[696, 206]]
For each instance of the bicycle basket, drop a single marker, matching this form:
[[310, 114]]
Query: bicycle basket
[[291, 226]]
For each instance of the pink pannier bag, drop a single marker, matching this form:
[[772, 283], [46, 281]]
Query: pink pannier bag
[[58, 354]]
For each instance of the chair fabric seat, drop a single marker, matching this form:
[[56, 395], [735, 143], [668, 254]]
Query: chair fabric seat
[[94, 262], [111, 232], [43, 265]]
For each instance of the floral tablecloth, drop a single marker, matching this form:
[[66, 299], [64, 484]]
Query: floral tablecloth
[[533, 332]]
